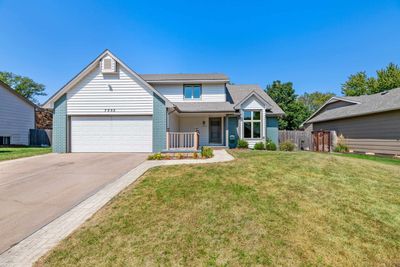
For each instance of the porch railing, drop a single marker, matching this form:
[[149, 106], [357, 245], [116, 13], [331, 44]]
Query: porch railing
[[183, 140]]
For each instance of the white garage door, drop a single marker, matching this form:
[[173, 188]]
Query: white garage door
[[111, 134]]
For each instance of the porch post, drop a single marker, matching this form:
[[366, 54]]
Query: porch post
[[167, 139], [196, 139]]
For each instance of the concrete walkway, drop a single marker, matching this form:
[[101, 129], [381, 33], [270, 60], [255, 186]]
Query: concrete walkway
[[29, 250]]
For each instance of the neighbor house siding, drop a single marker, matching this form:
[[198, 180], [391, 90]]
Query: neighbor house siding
[[110, 94], [159, 124], [210, 92], [60, 125], [377, 133], [16, 117]]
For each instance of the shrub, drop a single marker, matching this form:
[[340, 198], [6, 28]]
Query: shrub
[[286, 146], [259, 146], [242, 144], [157, 156], [207, 152], [195, 155], [269, 145], [341, 146], [179, 156]]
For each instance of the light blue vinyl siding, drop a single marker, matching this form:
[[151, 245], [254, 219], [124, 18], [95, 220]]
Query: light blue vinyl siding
[[159, 124], [60, 125], [272, 129]]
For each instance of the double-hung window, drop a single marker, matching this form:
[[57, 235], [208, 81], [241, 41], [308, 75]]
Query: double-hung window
[[252, 124], [192, 91]]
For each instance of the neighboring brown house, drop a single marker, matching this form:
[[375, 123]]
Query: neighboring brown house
[[369, 123]]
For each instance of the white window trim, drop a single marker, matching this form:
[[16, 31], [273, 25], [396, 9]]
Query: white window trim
[[252, 121], [262, 120], [192, 98]]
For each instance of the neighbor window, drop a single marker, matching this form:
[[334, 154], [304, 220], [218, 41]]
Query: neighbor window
[[5, 140], [192, 91], [251, 124]]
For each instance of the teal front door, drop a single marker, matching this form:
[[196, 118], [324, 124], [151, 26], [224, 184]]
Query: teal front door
[[233, 132]]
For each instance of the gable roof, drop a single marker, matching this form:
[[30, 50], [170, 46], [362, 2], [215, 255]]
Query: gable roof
[[253, 93], [92, 65], [12, 91], [181, 77], [362, 105], [241, 92]]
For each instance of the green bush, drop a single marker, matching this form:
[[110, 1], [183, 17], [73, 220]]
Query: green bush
[[259, 146], [242, 144], [207, 152], [341, 148], [286, 146], [157, 156], [269, 145]]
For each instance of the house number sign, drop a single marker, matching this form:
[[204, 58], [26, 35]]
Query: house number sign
[[109, 110]]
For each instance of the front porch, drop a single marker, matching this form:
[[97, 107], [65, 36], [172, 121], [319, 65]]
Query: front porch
[[188, 132]]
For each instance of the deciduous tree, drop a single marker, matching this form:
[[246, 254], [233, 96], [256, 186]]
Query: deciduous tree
[[23, 85]]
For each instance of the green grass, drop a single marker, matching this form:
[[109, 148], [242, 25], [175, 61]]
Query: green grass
[[264, 208], [383, 159], [7, 153]]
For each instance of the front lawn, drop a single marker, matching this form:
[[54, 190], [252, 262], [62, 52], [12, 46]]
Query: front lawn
[[7, 153], [265, 208], [383, 159]]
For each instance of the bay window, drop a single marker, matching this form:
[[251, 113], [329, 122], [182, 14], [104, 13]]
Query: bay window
[[252, 124]]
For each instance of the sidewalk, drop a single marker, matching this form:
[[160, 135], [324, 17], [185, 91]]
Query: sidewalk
[[29, 250]]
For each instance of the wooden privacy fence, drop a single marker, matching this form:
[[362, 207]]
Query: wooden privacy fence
[[301, 139], [182, 140], [40, 137], [322, 141]]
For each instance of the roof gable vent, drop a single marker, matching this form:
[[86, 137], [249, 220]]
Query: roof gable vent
[[108, 65]]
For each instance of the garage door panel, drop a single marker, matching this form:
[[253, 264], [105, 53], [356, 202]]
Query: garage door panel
[[111, 134]]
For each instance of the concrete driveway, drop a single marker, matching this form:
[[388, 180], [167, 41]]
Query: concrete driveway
[[35, 191]]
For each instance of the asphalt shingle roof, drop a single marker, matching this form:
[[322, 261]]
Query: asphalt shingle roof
[[241, 91], [204, 106], [236, 93], [184, 77], [366, 104]]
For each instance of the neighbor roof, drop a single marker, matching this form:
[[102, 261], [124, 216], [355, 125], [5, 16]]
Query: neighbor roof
[[239, 92], [12, 91], [362, 105], [180, 77]]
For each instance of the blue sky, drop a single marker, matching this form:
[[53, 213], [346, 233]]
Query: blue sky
[[314, 44]]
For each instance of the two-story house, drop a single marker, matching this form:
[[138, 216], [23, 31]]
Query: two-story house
[[108, 107]]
